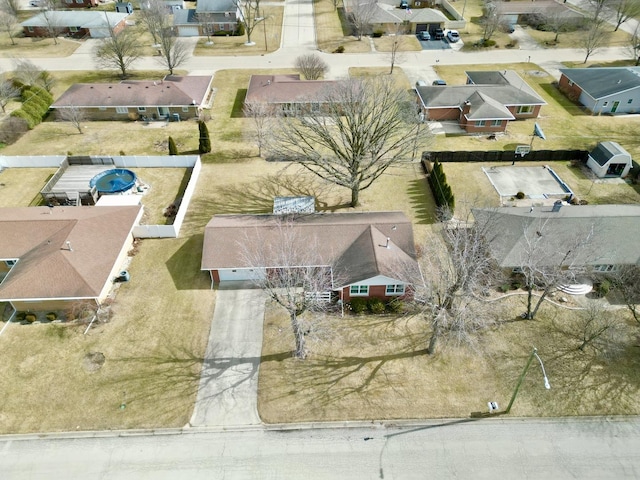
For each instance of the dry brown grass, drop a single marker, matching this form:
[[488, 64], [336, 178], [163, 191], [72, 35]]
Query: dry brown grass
[[572, 39], [236, 45], [27, 47], [407, 43], [376, 368], [329, 31], [20, 187]]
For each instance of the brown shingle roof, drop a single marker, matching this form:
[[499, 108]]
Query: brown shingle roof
[[174, 90], [354, 243], [285, 89], [47, 268]]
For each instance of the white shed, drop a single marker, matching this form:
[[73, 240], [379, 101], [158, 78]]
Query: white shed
[[609, 159]]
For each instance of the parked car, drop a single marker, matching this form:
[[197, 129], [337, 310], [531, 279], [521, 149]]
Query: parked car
[[424, 35], [438, 34], [453, 36], [421, 83], [438, 82], [404, 4]]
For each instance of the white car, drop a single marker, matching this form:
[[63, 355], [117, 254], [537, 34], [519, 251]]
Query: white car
[[453, 36]]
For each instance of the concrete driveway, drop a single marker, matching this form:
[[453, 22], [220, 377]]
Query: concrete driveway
[[228, 391]]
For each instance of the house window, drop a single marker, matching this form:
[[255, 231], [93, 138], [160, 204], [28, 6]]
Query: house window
[[185, 109], [142, 109], [630, 100], [73, 29], [525, 109], [122, 110], [315, 107], [480, 123], [102, 109], [29, 29], [68, 1], [358, 290], [496, 123], [604, 268], [605, 104], [570, 83], [394, 290], [79, 1]]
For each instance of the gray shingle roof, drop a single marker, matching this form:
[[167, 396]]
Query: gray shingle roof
[[75, 18], [604, 151], [484, 107], [285, 89], [603, 82], [615, 241], [46, 268], [215, 6], [354, 243]]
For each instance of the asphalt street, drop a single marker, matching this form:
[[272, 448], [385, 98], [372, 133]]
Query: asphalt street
[[494, 448]]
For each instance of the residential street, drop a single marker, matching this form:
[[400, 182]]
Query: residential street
[[495, 448]]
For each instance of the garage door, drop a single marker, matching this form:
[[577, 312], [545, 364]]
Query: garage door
[[240, 274], [188, 31]]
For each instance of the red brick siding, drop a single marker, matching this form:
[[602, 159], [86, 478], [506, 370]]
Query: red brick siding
[[64, 31], [573, 92], [533, 114], [111, 114], [438, 114], [82, 4], [377, 291], [216, 276]]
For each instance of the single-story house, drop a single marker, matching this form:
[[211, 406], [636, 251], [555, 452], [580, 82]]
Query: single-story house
[[603, 89], [287, 92], [487, 104], [53, 257], [78, 3], [614, 229], [172, 6], [78, 23], [208, 18], [364, 250], [512, 13], [184, 96], [387, 17], [609, 159]]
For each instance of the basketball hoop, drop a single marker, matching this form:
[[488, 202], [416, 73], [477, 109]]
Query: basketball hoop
[[522, 150]]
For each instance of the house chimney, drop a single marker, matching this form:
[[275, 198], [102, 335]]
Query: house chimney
[[466, 107]]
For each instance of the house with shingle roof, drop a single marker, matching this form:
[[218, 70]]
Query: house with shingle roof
[[486, 104], [614, 232], [53, 257], [208, 18], [364, 250], [74, 23], [287, 93], [184, 96], [609, 159], [611, 90]]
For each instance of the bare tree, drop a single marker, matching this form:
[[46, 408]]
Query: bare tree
[[598, 8], [118, 51], [311, 66], [155, 16], [360, 14], [594, 39], [455, 270], [173, 52], [30, 74], [207, 20], [397, 33], [262, 116], [634, 45], [626, 283], [8, 23], [249, 16], [361, 128], [491, 21], [51, 20], [12, 7], [601, 330], [297, 279], [7, 93], [74, 115], [556, 20], [625, 10]]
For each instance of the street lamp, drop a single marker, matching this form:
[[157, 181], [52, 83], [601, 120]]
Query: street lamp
[[534, 353]]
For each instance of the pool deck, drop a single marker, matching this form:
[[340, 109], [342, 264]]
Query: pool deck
[[537, 183], [76, 178]]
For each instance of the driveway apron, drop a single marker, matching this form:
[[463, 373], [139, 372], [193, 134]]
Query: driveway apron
[[228, 390]]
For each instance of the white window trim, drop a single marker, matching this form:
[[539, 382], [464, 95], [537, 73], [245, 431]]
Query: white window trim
[[480, 123], [522, 109], [496, 123], [359, 293], [122, 110], [397, 289]]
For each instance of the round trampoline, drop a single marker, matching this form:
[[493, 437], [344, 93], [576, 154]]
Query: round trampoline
[[116, 180]]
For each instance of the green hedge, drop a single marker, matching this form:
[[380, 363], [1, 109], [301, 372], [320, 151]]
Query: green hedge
[[441, 189], [20, 113]]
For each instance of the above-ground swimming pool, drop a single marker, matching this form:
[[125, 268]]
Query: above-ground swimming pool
[[115, 180]]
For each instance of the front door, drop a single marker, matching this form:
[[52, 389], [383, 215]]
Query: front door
[[614, 107], [163, 112]]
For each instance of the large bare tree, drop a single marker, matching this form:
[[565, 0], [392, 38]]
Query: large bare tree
[[311, 66], [594, 39], [625, 10], [249, 16], [262, 116], [30, 74], [173, 51], [118, 50], [456, 270], [626, 284], [51, 19], [556, 20], [396, 32], [297, 279], [360, 14], [491, 20], [8, 22], [634, 45], [154, 15], [74, 115], [362, 127]]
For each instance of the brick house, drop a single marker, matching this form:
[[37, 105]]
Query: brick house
[[486, 104], [603, 90], [77, 24], [364, 250], [184, 96]]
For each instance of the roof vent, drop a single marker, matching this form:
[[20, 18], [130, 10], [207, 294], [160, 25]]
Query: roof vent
[[69, 246], [388, 245]]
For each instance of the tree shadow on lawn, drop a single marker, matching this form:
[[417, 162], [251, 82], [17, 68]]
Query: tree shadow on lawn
[[572, 108], [184, 265], [422, 201]]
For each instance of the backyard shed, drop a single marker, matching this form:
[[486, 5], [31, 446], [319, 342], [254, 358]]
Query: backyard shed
[[609, 159]]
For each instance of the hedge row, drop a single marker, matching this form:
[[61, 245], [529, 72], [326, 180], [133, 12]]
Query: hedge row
[[35, 105], [440, 188]]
